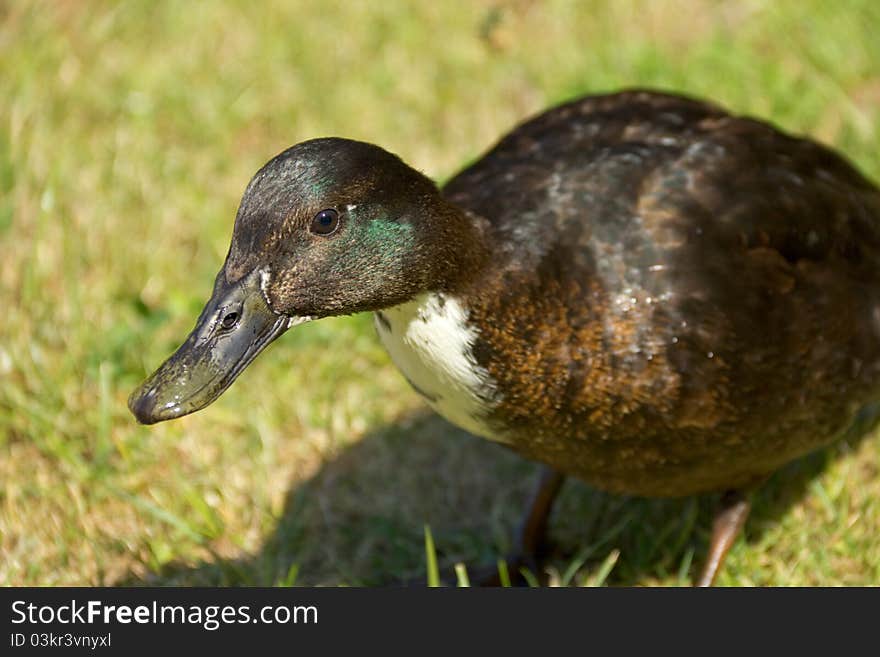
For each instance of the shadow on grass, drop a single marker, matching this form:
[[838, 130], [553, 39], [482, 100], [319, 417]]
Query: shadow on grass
[[359, 520]]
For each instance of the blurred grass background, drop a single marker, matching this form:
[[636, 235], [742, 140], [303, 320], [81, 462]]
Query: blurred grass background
[[127, 134]]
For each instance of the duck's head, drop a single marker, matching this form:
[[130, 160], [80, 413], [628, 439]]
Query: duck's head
[[328, 227]]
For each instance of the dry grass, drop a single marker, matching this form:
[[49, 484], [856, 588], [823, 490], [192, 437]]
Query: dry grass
[[127, 133]]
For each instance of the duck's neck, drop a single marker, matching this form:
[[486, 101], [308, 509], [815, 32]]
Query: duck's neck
[[459, 243]]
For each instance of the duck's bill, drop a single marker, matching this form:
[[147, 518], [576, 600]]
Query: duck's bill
[[235, 326]]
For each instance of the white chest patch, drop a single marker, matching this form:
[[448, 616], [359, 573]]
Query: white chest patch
[[431, 342]]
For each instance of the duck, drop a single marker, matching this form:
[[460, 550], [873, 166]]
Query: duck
[[640, 290]]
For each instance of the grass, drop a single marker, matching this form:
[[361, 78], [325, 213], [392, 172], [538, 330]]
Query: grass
[[127, 134]]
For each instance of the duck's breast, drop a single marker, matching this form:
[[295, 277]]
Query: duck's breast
[[431, 341]]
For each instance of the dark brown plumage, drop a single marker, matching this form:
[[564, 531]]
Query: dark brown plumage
[[685, 301]]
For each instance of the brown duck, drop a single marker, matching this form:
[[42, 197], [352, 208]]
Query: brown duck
[[639, 290]]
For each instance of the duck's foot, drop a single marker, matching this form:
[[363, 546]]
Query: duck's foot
[[533, 531], [729, 521], [532, 536], [522, 567]]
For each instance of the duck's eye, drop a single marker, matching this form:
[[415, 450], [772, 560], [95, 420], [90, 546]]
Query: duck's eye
[[325, 222], [229, 320]]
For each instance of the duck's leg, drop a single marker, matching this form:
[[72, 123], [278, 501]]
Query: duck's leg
[[729, 521], [531, 539], [533, 531]]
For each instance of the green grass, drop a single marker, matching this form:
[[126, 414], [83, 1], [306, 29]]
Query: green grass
[[127, 134]]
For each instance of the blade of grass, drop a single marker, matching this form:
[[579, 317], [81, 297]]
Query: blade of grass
[[461, 576], [530, 577], [503, 573], [685, 566], [290, 579], [575, 565], [606, 568], [159, 513], [431, 557]]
